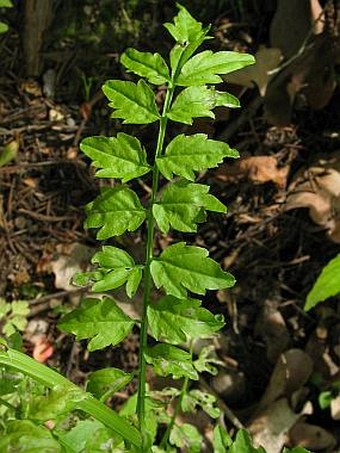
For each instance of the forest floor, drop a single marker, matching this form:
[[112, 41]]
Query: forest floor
[[275, 240]]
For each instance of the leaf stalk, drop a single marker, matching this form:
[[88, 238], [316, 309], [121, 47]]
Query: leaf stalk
[[147, 275]]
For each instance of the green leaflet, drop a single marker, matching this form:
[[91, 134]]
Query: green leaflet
[[116, 267], [207, 360], [170, 360], [25, 436], [189, 35], [90, 436], [186, 437], [115, 211], [104, 383], [221, 440], [205, 67], [183, 204], [326, 285], [134, 103], [198, 101], [244, 444], [148, 65], [185, 28], [99, 319], [61, 400], [122, 157], [198, 398], [186, 154], [179, 320], [181, 268]]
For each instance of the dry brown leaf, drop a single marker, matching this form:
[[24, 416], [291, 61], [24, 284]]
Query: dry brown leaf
[[335, 408], [290, 26], [317, 17], [318, 189], [267, 59], [269, 429], [312, 74], [259, 169], [291, 372], [72, 258], [310, 67], [271, 327], [311, 437]]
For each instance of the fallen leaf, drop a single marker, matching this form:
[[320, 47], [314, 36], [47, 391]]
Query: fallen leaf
[[271, 327], [335, 408], [291, 372], [290, 25], [9, 152], [298, 31], [311, 437], [318, 189], [293, 22], [71, 259], [259, 169], [31, 87], [266, 59], [317, 17], [269, 429]]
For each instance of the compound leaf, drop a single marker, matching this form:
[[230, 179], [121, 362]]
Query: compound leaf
[[198, 101], [326, 285], [104, 383], [134, 103], [116, 267], [186, 154], [115, 211], [170, 360], [148, 65], [183, 204], [181, 267], [205, 67], [99, 319], [122, 157], [178, 320]]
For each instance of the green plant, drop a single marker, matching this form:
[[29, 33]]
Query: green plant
[[327, 284], [4, 4], [177, 320], [13, 316]]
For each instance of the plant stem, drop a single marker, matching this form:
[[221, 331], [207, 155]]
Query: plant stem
[[174, 415], [147, 274]]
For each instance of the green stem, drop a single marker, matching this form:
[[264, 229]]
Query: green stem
[[147, 275], [174, 415], [50, 378]]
